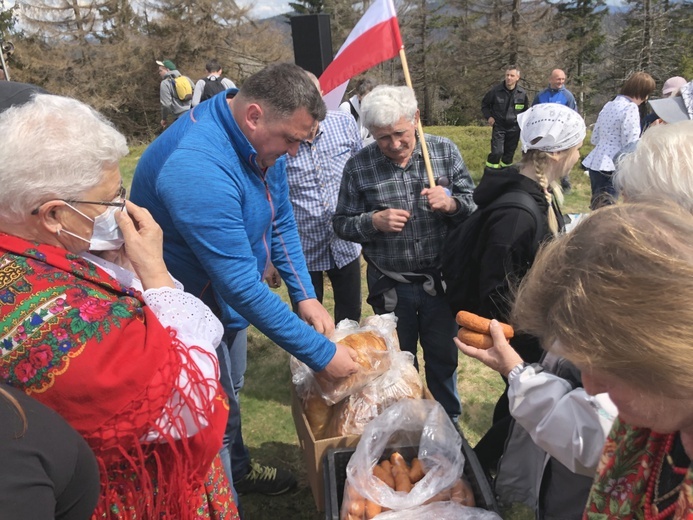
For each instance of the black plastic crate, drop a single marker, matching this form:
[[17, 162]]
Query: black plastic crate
[[334, 477]]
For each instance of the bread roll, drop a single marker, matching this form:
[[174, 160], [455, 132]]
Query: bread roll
[[480, 324], [373, 357], [362, 343], [475, 339], [351, 415], [319, 415]]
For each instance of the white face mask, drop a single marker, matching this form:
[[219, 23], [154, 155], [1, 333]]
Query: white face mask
[[106, 236]]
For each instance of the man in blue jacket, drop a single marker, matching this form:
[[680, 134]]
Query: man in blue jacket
[[216, 184], [557, 93]]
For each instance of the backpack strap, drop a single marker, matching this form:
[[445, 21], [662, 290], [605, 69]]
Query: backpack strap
[[521, 200]]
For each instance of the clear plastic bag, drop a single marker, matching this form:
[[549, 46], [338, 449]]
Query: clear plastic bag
[[351, 415], [407, 423], [376, 343], [440, 511]]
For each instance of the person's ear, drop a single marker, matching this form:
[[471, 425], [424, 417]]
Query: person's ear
[[48, 215], [253, 114], [416, 117]]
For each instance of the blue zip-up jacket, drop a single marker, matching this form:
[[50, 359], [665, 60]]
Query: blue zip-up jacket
[[561, 95], [224, 219]]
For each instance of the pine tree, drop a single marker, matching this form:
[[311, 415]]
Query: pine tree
[[581, 21], [656, 37], [308, 6]]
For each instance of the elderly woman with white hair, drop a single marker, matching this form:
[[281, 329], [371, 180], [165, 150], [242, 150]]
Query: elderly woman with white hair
[[660, 166], [551, 435], [114, 346]]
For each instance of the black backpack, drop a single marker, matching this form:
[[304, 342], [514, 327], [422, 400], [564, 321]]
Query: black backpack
[[462, 249], [213, 86]]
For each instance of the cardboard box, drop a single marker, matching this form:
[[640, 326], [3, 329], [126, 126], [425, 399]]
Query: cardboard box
[[314, 450]]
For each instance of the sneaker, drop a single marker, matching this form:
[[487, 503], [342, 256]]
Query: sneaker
[[266, 480]]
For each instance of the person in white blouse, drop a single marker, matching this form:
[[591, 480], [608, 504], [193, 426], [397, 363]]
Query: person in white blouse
[[617, 126]]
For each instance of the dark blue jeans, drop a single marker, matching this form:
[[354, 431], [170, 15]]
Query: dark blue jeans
[[426, 318], [603, 191], [232, 353]]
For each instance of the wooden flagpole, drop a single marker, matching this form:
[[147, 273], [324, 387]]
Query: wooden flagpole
[[419, 126]]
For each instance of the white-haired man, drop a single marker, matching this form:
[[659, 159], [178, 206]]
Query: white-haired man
[[385, 204]]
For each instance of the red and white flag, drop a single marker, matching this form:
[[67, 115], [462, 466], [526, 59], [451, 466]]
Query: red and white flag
[[375, 39]]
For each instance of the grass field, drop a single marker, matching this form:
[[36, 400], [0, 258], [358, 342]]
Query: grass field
[[267, 423]]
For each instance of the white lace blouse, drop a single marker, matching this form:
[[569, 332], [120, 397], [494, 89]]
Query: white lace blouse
[[194, 324]]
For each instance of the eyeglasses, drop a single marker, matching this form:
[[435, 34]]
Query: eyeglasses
[[118, 202]]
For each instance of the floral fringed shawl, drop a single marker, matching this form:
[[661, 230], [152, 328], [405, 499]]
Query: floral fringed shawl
[[81, 343], [619, 488]]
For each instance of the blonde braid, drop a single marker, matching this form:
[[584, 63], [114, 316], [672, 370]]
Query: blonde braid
[[539, 159]]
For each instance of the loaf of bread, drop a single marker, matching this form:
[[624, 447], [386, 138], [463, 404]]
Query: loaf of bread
[[402, 381], [364, 343], [319, 415], [371, 353]]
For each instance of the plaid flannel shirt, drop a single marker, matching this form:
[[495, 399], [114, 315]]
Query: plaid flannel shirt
[[372, 182], [314, 177]]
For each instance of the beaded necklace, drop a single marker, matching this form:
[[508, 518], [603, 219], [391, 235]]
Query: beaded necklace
[[653, 500]]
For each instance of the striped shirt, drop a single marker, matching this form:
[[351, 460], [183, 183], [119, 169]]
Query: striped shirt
[[314, 177], [372, 183]]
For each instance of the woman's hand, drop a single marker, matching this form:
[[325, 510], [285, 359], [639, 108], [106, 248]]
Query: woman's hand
[[144, 246], [117, 257], [502, 357]]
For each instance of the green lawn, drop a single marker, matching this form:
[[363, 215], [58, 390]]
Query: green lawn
[[267, 423]]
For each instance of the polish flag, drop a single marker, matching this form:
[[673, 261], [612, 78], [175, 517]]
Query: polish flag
[[375, 39]]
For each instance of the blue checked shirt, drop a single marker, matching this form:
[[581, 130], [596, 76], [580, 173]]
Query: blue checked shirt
[[372, 183], [314, 177]]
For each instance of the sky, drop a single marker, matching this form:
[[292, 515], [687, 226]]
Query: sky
[[266, 8]]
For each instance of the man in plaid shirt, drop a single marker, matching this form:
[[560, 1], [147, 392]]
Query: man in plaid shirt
[[314, 176], [385, 205]]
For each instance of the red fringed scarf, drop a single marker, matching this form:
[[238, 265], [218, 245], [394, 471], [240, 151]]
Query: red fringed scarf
[[86, 346]]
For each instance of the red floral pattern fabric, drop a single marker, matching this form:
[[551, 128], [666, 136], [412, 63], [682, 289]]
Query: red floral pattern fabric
[[618, 492], [78, 341]]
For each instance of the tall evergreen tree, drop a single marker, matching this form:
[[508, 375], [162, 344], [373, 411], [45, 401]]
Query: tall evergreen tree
[[308, 6], [581, 22], [655, 38]]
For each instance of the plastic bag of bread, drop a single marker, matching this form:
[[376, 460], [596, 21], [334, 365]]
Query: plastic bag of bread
[[440, 511], [409, 422], [318, 412], [373, 357], [386, 324], [401, 475], [373, 345], [351, 415]]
